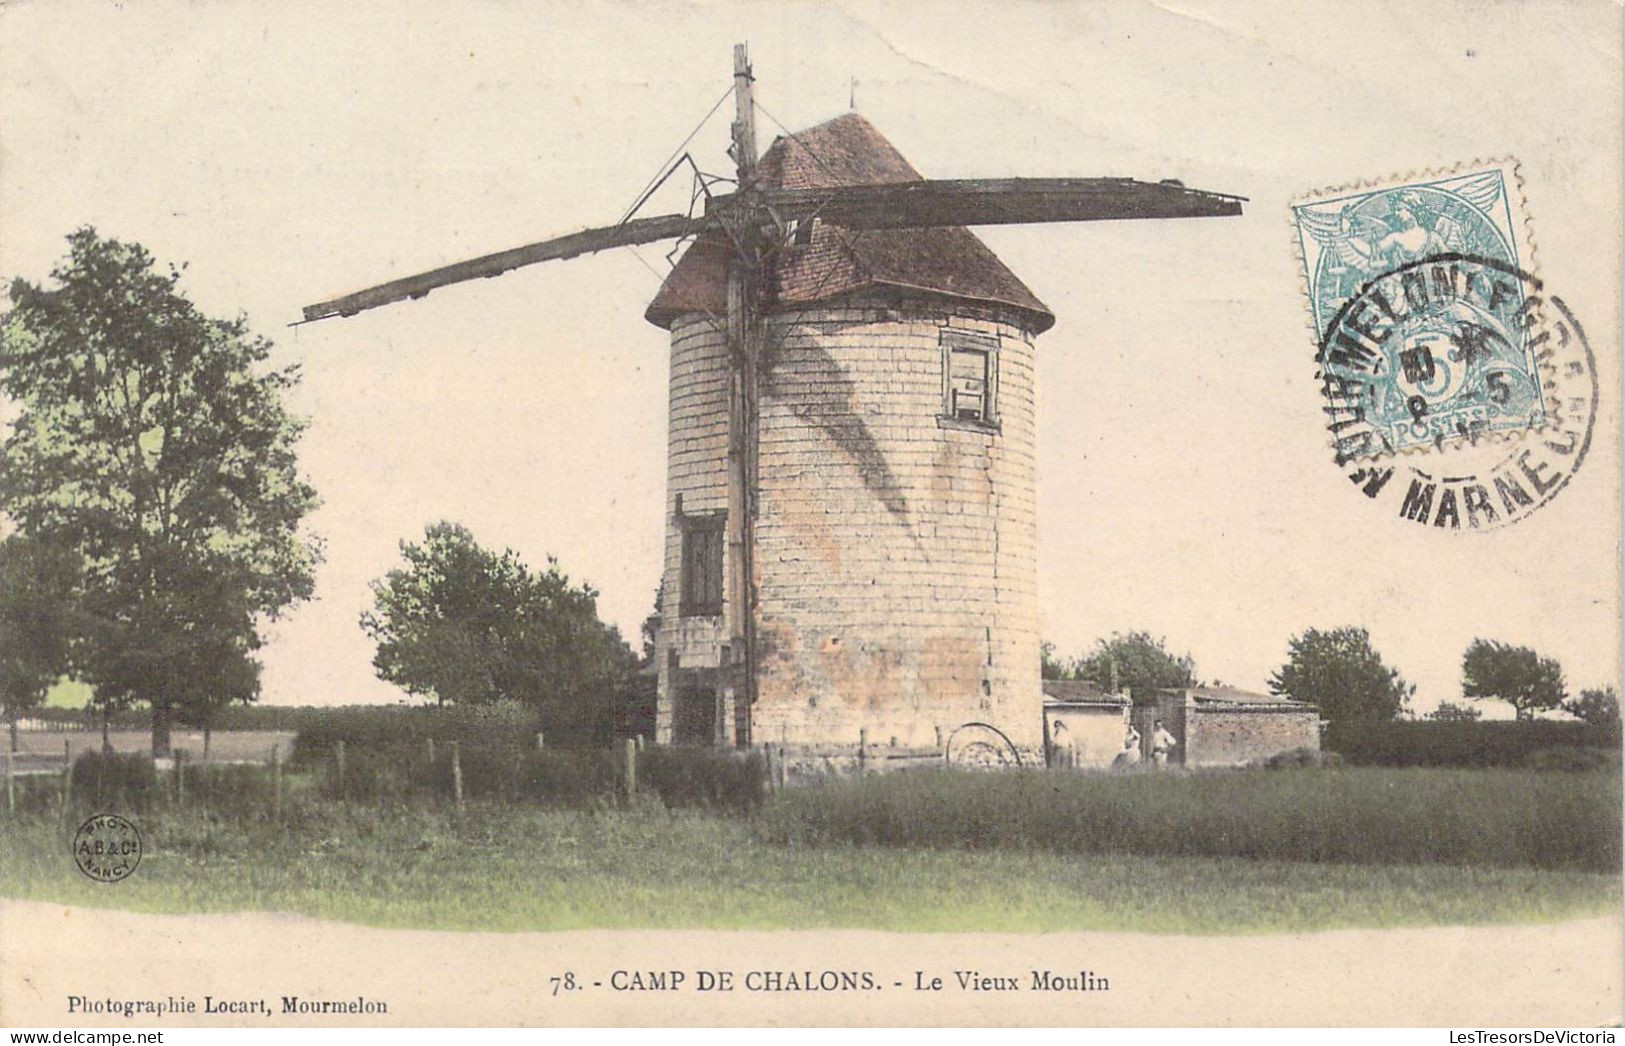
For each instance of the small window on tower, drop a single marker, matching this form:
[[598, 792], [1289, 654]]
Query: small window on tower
[[701, 588], [970, 379], [967, 385], [801, 231]]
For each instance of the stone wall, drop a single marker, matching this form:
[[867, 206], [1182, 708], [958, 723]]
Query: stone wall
[[1234, 736], [896, 549], [688, 649]]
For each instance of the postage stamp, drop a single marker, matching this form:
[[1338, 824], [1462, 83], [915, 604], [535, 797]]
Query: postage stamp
[[1443, 360]]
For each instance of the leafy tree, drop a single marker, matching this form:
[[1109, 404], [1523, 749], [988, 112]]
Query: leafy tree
[[464, 624], [1450, 712], [1515, 674], [38, 590], [1050, 665], [651, 625], [1339, 671], [1598, 706], [154, 440], [1137, 661]]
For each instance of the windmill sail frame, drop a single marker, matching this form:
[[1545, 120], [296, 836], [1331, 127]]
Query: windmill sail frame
[[753, 219]]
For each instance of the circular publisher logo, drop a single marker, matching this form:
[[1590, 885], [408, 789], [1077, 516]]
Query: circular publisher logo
[[107, 848]]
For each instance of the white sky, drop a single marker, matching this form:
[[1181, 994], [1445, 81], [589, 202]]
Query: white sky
[[291, 152]]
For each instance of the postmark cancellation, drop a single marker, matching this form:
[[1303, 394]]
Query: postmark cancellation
[[1457, 389]]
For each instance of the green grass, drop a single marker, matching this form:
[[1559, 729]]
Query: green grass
[[526, 869], [1366, 816]]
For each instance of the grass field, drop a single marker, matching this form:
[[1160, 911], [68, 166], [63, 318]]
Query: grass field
[[1358, 815], [495, 868]]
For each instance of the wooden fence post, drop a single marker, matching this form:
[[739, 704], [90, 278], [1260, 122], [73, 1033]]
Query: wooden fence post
[[784, 771], [456, 774], [338, 752], [67, 781], [11, 786], [179, 758], [206, 732], [863, 748], [640, 742], [538, 740], [631, 750], [276, 783]]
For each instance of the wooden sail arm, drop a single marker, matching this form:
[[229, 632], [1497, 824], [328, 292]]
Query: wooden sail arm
[[641, 230], [985, 201]]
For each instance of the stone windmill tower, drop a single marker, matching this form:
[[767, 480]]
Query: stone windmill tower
[[849, 520], [895, 570]]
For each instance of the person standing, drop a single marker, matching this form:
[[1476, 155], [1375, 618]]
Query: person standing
[[1162, 743], [1060, 743], [1129, 757]]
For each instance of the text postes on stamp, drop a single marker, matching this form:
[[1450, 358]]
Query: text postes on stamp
[[107, 848], [1458, 391]]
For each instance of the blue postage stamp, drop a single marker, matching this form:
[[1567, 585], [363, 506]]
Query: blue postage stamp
[[1422, 337]]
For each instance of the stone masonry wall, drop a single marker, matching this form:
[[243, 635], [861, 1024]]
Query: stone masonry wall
[[696, 469], [896, 551], [1218, 737]]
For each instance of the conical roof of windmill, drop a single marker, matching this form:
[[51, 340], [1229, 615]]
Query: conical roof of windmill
[[947, 260]]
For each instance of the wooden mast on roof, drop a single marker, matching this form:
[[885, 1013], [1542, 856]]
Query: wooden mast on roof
[[744, 346]]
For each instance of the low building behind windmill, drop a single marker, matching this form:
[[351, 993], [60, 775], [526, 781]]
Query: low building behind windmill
[[895, 537], [1217, 726]]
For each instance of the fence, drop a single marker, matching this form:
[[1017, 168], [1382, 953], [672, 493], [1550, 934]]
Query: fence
[[37, 766], [383, 771], [443, 772]]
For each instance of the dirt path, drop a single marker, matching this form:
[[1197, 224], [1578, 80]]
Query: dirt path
[[1566, 974]]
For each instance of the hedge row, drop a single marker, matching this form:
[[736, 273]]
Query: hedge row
[[1379, 815], [1471, 743], [505, 728], [725, 781], [114, 781]]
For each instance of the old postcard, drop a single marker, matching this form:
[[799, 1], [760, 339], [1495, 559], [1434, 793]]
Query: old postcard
[[842, 514]]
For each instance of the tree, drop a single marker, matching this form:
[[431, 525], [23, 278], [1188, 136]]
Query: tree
[[1339, 671], [651, 625], [154, 441], [464, 624], [1050, 665], [1137, 661], [38, 591], [1598, 706], [1450, 712], [1515, 674]]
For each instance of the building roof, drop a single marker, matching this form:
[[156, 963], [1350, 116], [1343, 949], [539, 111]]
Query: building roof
[[1232, 695], [1079, 691], [847, 150]]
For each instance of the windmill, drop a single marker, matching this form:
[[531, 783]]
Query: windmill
[[766, 264]]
